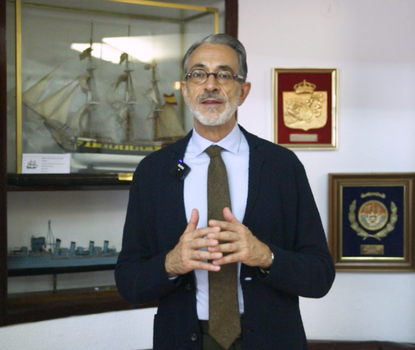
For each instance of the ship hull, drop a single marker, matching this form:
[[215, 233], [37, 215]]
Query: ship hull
[[133, 148], [48, 261], [95, 155], [72, 144]]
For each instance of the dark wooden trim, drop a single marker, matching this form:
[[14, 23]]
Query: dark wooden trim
[[231, 21], [59, 270], [231, 17], [3, 165], [33, 307], [65, 182]]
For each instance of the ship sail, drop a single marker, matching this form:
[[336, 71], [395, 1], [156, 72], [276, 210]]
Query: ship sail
[[45, 107], [55, 108], [77, 117], [32, 94], [121, 96], [61, 112], [151, 94], [90, 123], [166, 123]]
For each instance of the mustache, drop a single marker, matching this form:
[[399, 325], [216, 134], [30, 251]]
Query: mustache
[[213, 95]]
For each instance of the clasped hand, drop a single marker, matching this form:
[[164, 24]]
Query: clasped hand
[[226, 242]]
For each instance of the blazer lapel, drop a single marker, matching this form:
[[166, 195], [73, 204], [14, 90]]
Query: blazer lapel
[[256, 161], [173, 197]]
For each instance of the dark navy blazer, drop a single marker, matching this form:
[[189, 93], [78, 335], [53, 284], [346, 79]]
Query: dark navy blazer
[[280, 211]]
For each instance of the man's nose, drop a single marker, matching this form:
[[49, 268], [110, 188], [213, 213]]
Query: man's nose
[[211, 83]]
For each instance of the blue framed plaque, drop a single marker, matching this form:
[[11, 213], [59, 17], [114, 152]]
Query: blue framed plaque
[[371, 221]]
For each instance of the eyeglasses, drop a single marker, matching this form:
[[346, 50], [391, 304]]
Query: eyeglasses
[[223, 76]]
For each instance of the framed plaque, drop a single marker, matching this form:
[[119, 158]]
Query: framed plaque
[[305, 108], [371, 221]]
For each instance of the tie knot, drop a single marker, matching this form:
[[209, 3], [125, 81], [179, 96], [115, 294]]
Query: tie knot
[[213, 151]]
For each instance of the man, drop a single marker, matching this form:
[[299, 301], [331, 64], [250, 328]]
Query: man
[[271, 233]]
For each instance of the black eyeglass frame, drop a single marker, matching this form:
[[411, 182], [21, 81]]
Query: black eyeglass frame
[[235, 76]]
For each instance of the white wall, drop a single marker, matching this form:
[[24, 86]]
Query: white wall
[[370, 42]]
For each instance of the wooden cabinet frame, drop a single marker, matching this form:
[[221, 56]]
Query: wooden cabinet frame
[[48, 305]]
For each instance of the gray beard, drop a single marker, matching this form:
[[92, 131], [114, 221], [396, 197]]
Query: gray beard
[[219, 118]]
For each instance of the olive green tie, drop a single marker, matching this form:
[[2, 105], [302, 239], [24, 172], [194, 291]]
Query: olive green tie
[[224, 318]]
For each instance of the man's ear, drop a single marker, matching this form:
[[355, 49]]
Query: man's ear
[[245, 89], [183, 88]]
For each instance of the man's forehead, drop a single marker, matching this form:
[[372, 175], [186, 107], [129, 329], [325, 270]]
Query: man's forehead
[[213, 56]]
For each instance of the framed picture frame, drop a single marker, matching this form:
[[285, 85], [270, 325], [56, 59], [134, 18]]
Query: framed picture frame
[[305, 108], [371, 221]]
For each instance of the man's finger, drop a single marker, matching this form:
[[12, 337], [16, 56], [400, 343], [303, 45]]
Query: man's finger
[[224, 247], [196, 244], [229, 217], [194, 219], [229, 236], [205, 255], [201, 265]]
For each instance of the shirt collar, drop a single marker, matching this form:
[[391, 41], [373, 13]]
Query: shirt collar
[[230, 143]]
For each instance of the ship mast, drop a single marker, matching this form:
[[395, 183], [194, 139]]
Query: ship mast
[[128, 93], [158, 107], [50, 240], [92, 128]]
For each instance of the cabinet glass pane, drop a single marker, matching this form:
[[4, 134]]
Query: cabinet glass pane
[[99, 81], [61, 240]]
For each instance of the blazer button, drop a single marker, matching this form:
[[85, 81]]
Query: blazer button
[[189, 286], [194, 337]]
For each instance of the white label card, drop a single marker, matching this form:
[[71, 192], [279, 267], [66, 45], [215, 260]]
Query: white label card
[[41, 163]]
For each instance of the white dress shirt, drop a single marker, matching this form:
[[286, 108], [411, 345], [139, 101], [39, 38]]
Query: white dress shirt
[[235, 155]]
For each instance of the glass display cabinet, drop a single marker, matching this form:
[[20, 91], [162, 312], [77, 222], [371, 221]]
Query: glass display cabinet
[[88, 89], [97, 82]]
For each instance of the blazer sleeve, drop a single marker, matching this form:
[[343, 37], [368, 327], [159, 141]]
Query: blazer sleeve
[[140, 273], [302, 264]]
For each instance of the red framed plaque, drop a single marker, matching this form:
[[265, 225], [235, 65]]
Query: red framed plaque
[[305, 108]]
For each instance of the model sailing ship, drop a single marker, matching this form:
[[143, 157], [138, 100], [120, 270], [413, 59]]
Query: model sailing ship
[[85, 132], [45, 252]]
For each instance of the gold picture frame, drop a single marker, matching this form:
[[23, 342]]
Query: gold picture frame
[[305, 108], [88, 90], [371, 221]]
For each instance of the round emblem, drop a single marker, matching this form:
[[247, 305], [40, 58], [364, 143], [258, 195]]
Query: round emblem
[[373, 215]]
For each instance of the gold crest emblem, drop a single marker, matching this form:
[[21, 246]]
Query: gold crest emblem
[[373, 215], [305, 108]]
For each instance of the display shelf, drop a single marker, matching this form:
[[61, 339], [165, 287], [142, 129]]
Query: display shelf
[[68, 182], [33, 307], [59, 270]]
